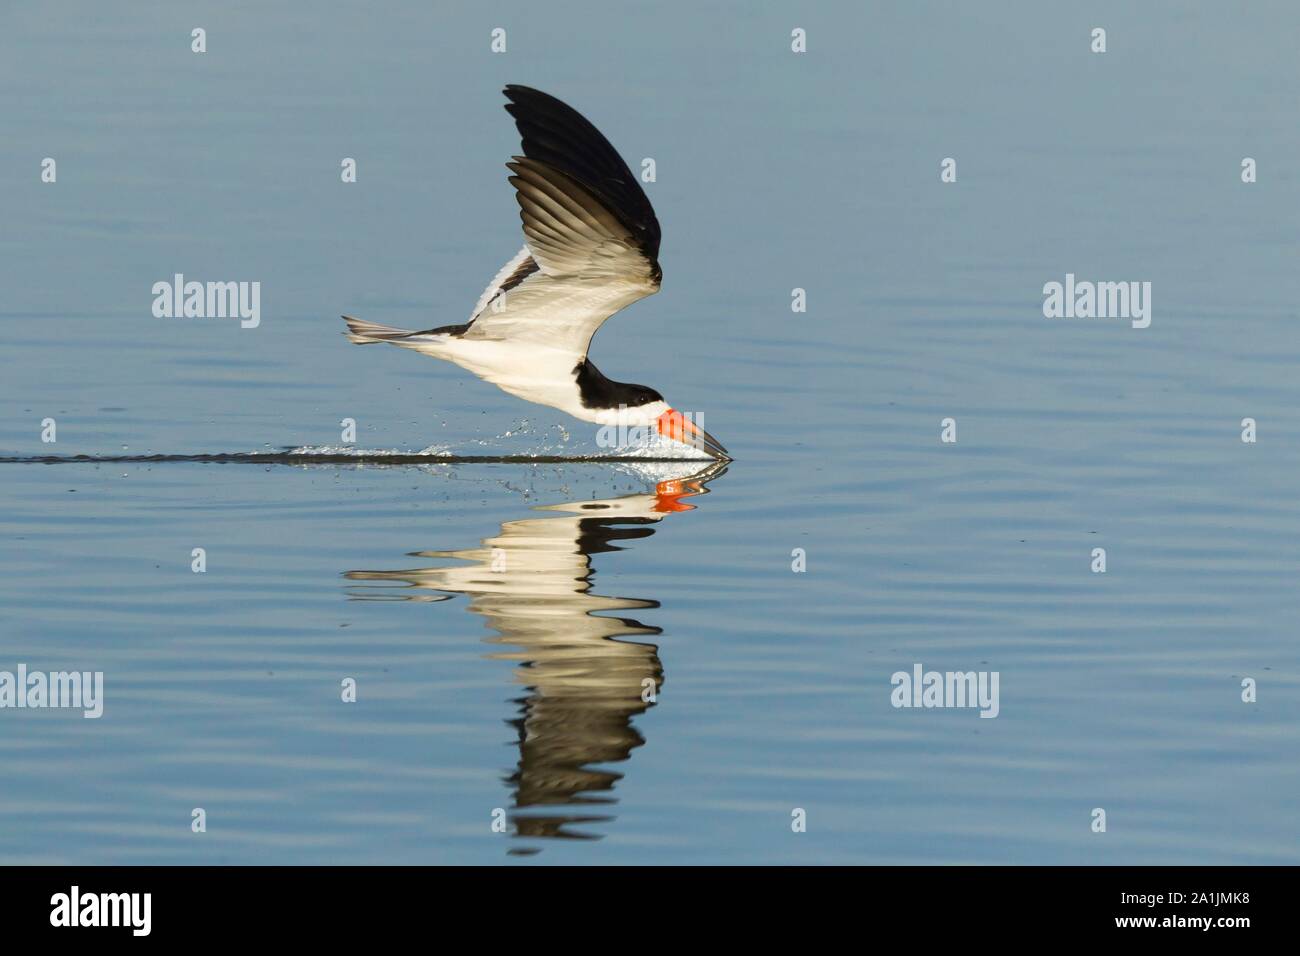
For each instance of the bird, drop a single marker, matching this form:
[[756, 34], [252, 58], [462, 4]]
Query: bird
[[591, 247]]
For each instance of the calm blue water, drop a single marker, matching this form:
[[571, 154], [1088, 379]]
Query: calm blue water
[[520, 689]]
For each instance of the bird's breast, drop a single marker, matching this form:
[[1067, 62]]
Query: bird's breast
[[531, 372]]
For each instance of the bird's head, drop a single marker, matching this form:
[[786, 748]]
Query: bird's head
[[621, 405]]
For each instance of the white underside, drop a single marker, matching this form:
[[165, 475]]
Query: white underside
[[535, 373]]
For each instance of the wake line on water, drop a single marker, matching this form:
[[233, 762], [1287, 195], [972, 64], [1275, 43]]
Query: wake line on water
[[298, 456]]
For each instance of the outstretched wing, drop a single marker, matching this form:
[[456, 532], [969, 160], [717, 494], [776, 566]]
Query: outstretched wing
[[592, 239], [557, 135]]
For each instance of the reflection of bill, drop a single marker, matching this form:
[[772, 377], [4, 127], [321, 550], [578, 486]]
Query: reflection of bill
[[585, 679]]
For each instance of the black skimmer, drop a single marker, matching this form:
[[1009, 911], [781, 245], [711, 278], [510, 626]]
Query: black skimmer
[[591, 246]]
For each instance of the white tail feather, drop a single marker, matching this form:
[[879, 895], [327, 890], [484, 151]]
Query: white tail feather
[[361, 332]]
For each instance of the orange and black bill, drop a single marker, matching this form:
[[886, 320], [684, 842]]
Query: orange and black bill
[[673, 424]]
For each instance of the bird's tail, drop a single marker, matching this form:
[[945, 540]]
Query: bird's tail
[[361, 332]]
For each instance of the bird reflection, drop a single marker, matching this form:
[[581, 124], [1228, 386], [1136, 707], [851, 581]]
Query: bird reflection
[[586, 677]]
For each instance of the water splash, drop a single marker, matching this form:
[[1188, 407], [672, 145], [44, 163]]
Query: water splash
[[334, 451], [656, 447]]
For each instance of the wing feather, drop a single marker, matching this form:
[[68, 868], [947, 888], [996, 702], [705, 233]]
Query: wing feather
[[591, 236], [559, 136], [502, 281]]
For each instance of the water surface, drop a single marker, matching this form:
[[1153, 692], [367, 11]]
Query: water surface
[[520, 693]]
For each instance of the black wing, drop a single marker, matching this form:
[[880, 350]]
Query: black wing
[[557, 135]]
